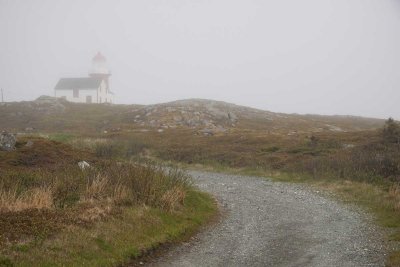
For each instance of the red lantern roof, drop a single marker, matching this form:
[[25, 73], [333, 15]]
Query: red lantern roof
[[99, 57]]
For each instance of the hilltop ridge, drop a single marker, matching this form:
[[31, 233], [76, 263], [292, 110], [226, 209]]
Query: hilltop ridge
[[208, 116], [220, 116]]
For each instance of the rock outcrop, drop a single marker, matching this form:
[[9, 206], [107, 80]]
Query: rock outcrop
[[211, 116], [7, 141]]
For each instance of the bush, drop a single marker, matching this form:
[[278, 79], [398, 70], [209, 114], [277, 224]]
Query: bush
[[391, 131]]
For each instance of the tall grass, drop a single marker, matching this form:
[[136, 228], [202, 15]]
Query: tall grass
[[119, 184], [35, 198]]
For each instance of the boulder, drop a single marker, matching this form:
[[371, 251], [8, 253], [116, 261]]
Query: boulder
[[7, 141], [83, 165]]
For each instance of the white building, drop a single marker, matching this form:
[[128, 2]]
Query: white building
[[92, 89]]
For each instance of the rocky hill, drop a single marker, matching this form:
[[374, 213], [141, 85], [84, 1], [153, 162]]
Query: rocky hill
[[203, 116], [216, 116]]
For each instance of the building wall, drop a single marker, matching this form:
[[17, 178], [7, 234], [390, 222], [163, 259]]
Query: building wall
[[98, 96], [69, 95]]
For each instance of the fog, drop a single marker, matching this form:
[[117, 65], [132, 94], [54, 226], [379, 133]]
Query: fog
[[310, 56]]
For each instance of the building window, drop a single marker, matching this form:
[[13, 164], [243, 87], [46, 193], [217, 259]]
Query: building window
[[76, 93]]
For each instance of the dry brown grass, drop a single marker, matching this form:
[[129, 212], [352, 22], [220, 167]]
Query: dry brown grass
[[35, 198], [96, 212], [173, 198], [121, 194], [46, 176], [96, 189], [113, 183]]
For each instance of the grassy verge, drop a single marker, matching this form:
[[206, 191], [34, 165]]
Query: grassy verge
[[116, 240], [53, 212]]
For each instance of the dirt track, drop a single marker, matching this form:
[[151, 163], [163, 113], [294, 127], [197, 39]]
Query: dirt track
[[278, 224]]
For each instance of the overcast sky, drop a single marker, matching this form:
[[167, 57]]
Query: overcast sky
[[309, 56]]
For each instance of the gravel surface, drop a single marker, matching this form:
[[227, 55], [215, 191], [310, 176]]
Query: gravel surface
[[278, 224]]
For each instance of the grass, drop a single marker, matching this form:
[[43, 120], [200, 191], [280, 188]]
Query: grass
[[36, 198], [34, 153], [116, 240], [54, 213], [46, 175], [61, 137]]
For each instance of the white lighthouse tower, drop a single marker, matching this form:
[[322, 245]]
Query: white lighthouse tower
[[100, 69]]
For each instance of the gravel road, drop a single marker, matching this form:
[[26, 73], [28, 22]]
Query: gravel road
[[278, 224]]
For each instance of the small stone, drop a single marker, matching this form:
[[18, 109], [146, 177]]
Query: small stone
[[29, 143], [83, 165]]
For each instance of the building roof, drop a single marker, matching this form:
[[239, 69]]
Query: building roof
[[78, 83]]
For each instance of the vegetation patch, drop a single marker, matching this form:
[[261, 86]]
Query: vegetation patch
[[119, 239], [39, 153], [53, 212]]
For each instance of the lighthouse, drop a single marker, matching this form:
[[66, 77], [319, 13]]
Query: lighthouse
[[100, 70], [92, 89]]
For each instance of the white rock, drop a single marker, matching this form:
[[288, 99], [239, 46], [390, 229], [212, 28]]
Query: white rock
[[83, 165]]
